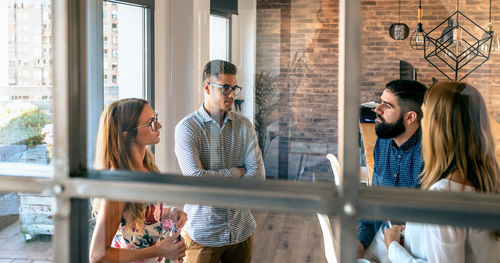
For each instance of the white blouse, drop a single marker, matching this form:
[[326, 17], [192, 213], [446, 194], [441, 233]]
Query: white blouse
[[439, 243]]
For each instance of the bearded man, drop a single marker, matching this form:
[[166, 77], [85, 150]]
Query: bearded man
[[397, 158]]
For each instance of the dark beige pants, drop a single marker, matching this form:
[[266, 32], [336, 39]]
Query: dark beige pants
[[196, 253]]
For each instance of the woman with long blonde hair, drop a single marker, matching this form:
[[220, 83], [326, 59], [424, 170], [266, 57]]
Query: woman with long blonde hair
[[459, 155], [125, 231]]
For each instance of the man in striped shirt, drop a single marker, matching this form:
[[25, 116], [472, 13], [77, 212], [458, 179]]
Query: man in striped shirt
[[215, 142]]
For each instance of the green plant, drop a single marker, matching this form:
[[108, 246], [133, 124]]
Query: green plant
[[22, 123], [266, 100]]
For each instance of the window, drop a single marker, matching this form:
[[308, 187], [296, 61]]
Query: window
[[26, 145], [220, 37], [25, 137], [298, 56], [128, 52]]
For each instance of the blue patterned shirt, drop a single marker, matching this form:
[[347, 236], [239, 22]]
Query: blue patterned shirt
[[204, 148], [393, 166]]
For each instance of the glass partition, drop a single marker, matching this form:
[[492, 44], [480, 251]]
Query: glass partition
[[399, 240], [385, 59], [278, 236], [297, 63], [296, 94]]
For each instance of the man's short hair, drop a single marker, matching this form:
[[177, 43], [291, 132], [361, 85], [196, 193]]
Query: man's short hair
[[410, 94], [216, 67]]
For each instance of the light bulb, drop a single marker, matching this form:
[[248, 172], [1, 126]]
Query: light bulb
[[419, 39], [456, 50], [495, 44], [486, 44]]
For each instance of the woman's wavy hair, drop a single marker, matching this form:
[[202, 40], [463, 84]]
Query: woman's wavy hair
[[113, 148], [456, 137]]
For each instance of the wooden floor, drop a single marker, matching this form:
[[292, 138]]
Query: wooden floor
[[14, 249], [279, 238], [285, 237]]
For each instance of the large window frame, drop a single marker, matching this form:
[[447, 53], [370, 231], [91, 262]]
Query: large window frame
[[76, 58]]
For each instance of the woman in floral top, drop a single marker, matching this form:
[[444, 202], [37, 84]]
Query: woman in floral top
[[124, 231]]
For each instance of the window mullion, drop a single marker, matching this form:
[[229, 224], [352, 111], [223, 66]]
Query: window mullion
[[451, 208], [348, 87], [24, 184], [63, 23]]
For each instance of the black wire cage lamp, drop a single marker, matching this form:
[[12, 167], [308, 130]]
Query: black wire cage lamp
[[461, 55], [417, 39]]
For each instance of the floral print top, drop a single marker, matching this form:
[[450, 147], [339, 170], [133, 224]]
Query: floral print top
[[155, 228]]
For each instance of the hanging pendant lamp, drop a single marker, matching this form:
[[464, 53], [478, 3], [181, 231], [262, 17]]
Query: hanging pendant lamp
[[495, 45], [460, 55], [399, 31], [417, 39]]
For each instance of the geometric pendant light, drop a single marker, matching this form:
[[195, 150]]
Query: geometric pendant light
[[458, 57]]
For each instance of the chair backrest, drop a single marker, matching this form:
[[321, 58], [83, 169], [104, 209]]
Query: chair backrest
[[328, 238], [335, 167], [324, 221]]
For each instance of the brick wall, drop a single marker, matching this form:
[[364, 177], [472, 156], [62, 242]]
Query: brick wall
[[381, 54], [297, 41]]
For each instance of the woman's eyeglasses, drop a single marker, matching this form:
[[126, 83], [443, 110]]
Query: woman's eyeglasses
[[153, 123], [227, 89]]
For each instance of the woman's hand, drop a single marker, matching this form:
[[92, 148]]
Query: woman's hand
[[179, 217], [392, 234], [172, 248]]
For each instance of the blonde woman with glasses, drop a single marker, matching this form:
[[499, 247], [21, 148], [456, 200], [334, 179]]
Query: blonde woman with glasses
[[459, 155], [125, 231]]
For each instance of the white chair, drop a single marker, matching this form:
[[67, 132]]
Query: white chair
[[324, 221], [335, 167], [328, 238]]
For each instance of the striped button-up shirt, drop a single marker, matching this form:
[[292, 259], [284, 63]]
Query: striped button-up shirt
[[205, 148]]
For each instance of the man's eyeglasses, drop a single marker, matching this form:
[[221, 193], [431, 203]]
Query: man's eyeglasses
[[153, 123], [226, 89]]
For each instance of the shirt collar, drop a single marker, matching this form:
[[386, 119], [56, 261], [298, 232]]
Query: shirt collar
[[207, 118], [414, 140]]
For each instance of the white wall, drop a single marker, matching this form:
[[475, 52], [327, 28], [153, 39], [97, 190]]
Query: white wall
[[201, 48], [243, 53], [181, 50]]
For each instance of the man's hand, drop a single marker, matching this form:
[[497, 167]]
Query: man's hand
[[179, 217], [361, 250], [243, 171]]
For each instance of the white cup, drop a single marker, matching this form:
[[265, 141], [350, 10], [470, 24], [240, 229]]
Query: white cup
[[362, 260]]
